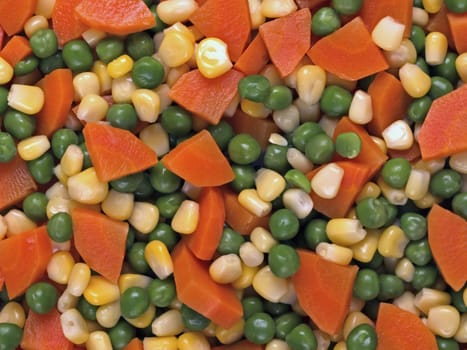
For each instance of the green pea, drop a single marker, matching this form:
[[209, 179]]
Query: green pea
[[418, 252], [18, 124], [280, 97], [424, 277], [243, 149], [418, 109], [10, 336], [396, 172], [348, 145], [366, 286], [414, 225], [87, 163], [193, 320], [128, 183], [134, 301], [447, 69], [41, 297], [283, 260], [302, 134], [446, 343], [458, 6], [109, 48], [123, 116], [320, 148], [417, 36], [276, 309], [61, 139], [130, 238], [301, 338], [136, 258], [459, 204], [335, 101], [298, 179], [259, 328], [418, 3], [275, 158], [371, 213], [222, 133], [78, 56], [457, 299], [439, 87], [391, 211], [285, 323], [230, 242], [390, 287], [26, 65], [139, 45], [35, 206], [254, 88], [59, 227], [160, 26], [325, 21], [144, 190], [44, 43], [315, 233], [147, 73], [375, 263], [421, 63], [283, 224], [121, 334], [251, 305], [362, 337], [347, 7], [42, 168], [163, 180], [49, 64], [86, 309], [169, 203], [161, 292], [445, 183], [176, 121], [244, 177], [7, 147], [3, 99], [163, 232]]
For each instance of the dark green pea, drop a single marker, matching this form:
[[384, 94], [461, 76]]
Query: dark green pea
[[283, 224], [396, 172], [130, 238], [301, 338], [447, 69], [283, 260], [424, 277], [325, 21], [457, 6], [362, 337], [134, 301], [35, 206], [87, 163], [276, 309], [7, 147], [275, 158], [459, 204], [44, 43], [160, 26], [193, 320], [457, 299], [417, 36], [163, 180], [371, 213], [176, 121], [446, 343], [147, 73], [163, 232], [298, 179], [139, 44], [315, 233], [26, 66], [259, 328], [109, 48], [42, 168], [391, 211], [61, 139], [320, 148], [414, 225], [390, 287], [144, 190], [41, 297], [418, 252], [243, 149], [244, 177], [421, 63], [161, 292], [251, 305], [375, 263], [128, 183], [418, 3], [254, 88], [169, 203], [367, 284], [285, 323], [280, 97], [78, 56], [302, 134], [10, 336], [348, 145], [347, 7], [136, 258], [121, 334], [445, 183], [439, 87], [59, 227], [18, 124], [335, 101], [222, 133], [86, 309], [123, 116], [49, 64], [3, 99], [418, 109], [230, 242]]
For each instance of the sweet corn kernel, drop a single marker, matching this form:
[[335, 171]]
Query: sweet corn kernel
[[246, 279], [25, 98], [92, 108], [147, 104], [361, 109], [34, 23], [327, 181], [86, 83], [353, 320], [272, 74], [13, 312], [436, 48], [287, 119], [307, 112], [160, 343], [388, 33], [145, 319], [120, 66], [369, 190], [193, 340], [72, 160], [122, 89], [428, 298], [269, 286], [398, 135], [405, 270], [172, 11], [335, 253], [364, 250], [250, 255], [443, 320], [277, 139], [74, 326], [298, 160], [405, 53], [118, 205], [176, 49], [432, 6], [226, 268], [44, 8], [6, 71], [212, 57], [66, 301], [60, 266], [414, 80], [170, 323], [256, 17], [345, 232], [311, 81], [144, 217], [17, 222], [432, 166], [108, 315], [128, 280], [458, 162], [105, 81], [250, 200], [33, 147], [254, 109], [186, 217], [461, 66], [156, 137], [298, 201], [406, 301], [86, 188], [328, 125], [79, 279], [420, 16], [417, 184], [158, 258], [393, 195], [392, 242], [427, 201], [341, 345], [461, 333], [3, 227], [100, 291], [232, 334], [277, 8], [269, 184], [99, 340]]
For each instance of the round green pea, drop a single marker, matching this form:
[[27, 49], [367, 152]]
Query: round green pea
[[301, 338], [44, 43], [128, 183], [275, 158], [7, 147], [243, 149], [251, 305], [87, 163], [160, 26], [302, 134], [315, 233], [366, 286], [77, 56], [163, 180], [396, 172], [18, 124], [169, 203], [446, 343], [276, 309], [163, 232], [283, 224], [445, 183], [121, 334], [35, 206], [325, 21], [42, 168], [134, 301], [147, 73], [123, 116], [10, 336], [222, 133], [457, 6], [161, 292], [283, 260], [447, 69], [391, 211], [285, 323], [244, 177], [424, 277], [335, 101], [362, 337], [418, 252], [259, 328], [193, 320], [136, 258], [440, 86], [139, 45], [3, 99], [320, 148], [254, 87], [109, 48], [230, 242], [41, 297], [418, 109], [459, 204], [457, 299], [371, 213], [26, 65], [61, 139], [421, 63], [86, 309], [417, 36], [347, 7], [144, 190], [176, 121], [49, 64], [390, 287], [279, 97], [348, 145], [414, 225], [59, 227]]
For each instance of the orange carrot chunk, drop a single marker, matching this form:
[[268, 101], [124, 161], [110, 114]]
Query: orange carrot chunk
[[199, 161], [95, 232], [445, 126], [400, 329], [228, 20], [14, 14], [287, 39], [16, 49], [65, 21], [197, 289], [401, 10], [324, 290], [207, 98], [119, 17], [447, 236], [116, 152], [134, 344], [254, 58], [349, 52], [458, 25]]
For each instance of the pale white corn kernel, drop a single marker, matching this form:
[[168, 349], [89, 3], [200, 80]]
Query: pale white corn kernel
[[34, 23], [290, 297], [99, 340], [176, 49], [269, 286], [105, 81], [269, 184], [428, 298], [92, 108], [461, 66], [122, 89], [59, 205], [17, 222], [262, 239], [420, 17], [212, 57], [272, 74], [28, 99], [144, 217], [86, 188], [6, 71], [393, 195], [256, 17], [458, 162], [277, 139], [226, 268], [380, 143], [72, 160], [361, 108], [60, 175], [417, 184], [345, 232], [61, 246], [398, 135], [308, 113], [353, 320], [108, 315], [250, 255], [461, 333], [33, 147], [170, 323], [436, 48], [392, 242], [118, 205], [406, 301], [186, 217], [311, 81], [327, 181], [335, 253], [250, 200], [74, 326], [172, 11], [323, 340], [155, 136], [443, 320], [414, 80], [277, 344], [298, 160], [405, 270], [298, 201], [175, 73], [92, 36], [432, 166], [232, 107], [277, 8], [388, 33], [44, 8], [66, 301], [158, 258], [147, 104], [287, 119], [328, 125], [57, 190], [79, 278], [405, 53], [86, 83], [60, 266]]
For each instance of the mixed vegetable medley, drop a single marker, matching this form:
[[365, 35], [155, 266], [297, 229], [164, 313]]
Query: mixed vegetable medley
[[233, 174]]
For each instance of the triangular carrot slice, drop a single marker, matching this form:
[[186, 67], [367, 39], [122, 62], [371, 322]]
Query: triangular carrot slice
[[65, 21], [14, 14]]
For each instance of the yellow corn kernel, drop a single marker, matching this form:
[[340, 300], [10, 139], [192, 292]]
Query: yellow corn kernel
[[25, 98], [74, 326], [86, 188], [272, 74], [406, 301], [341, 345], [298, 160], [156, 138], [145, 319], [277, 8], [99, 340], [432, 6], [269, 184], [158, 258], [92, 108], [250, 200], [398, 135], [428, 298], [72, 160], [311, 81], [100, 291], [105, 81], [60, 175], [186, 217], [86, 83], [344, 231], [250, 255], [458, 162], [417, 184], [92, 36], [118, 205], [427, 201], [13, 312], [393, 195], [120, 66], [436, 48], [60, 266], [147, 105], [160, 343], [17, 222], [172, 11], [298, 201], [353, 320], [44, 8], [405, 53], [170, 323], [256, 17], [327, 181], [443, 320], [269, 286], [226, 268], [287, 119], [392, 242], [6, 71], [414, 80], [232, 334], [405, 270], [212, 57], [388, 33], [144, 217], [176, 49], [254, 109], [193, 340], [277, 344], [262, 239], [122, 89], [34, 23], [127, 280], [246, 278], [461, 333], [420, 16], [461, 66], [108, 315], [33, 147], [335, 253], [369, 190]]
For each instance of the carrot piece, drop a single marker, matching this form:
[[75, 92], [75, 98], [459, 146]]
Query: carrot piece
[[116, 152], [15, 181], [228, 20], [2, 281], [66, 23], [445, 126], [44, 332], [2, 36], [328, 282], [13, 15], [197, 289], [16, 49], [59, 92], [438, 22], [458, 26], [119, 17], [240, 219], [134, 344], [204, 241], [240, 345], [355, 176], [384, 90], [254, 58], [349, 52], [207, 98], [401, 10], [287, 39], [370, 154], [400, 329], [199, 161], [447, 237], [411, 154], [95, 232], [24, 258]]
